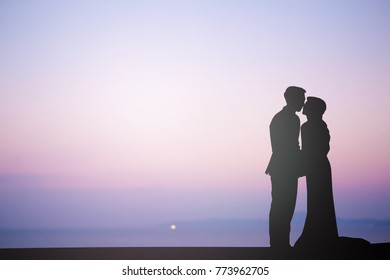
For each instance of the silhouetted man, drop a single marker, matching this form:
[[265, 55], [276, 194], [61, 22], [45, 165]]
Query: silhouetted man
[[284, 167]]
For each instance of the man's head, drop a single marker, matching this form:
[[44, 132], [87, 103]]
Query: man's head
[[295, 98]]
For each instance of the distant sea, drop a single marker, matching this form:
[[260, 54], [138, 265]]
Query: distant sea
[[209, 233]]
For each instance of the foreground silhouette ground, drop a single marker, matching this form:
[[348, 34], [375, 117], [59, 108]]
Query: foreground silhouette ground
[[380, 251]]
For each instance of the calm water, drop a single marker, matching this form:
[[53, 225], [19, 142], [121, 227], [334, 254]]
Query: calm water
[[125, 238], [206, 233]]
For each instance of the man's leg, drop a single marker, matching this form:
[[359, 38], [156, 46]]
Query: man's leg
[[284, 196]]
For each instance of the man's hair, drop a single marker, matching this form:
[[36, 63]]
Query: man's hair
[[293, 92]]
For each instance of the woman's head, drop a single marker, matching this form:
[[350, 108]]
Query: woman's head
[[314, 107]]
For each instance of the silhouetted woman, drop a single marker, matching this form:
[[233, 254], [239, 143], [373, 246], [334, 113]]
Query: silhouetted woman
[[320, 230]]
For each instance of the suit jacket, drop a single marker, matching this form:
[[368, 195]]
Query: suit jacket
[[284, 132]]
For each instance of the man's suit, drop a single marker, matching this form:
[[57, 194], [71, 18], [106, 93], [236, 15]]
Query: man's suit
[[284, 168]]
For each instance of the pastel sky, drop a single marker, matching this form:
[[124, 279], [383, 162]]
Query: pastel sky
[[156, 111]]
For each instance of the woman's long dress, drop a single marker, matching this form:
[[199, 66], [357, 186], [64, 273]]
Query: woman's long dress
[[320, 228]]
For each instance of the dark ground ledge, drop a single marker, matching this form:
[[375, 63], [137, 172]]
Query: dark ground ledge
[[374, 251]]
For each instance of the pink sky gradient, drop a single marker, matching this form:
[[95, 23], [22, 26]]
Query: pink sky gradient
[[178, 96]]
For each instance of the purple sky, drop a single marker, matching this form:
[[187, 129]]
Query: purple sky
[[161, 108]]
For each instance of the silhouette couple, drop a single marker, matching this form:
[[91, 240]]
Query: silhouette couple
[[288, 162]]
